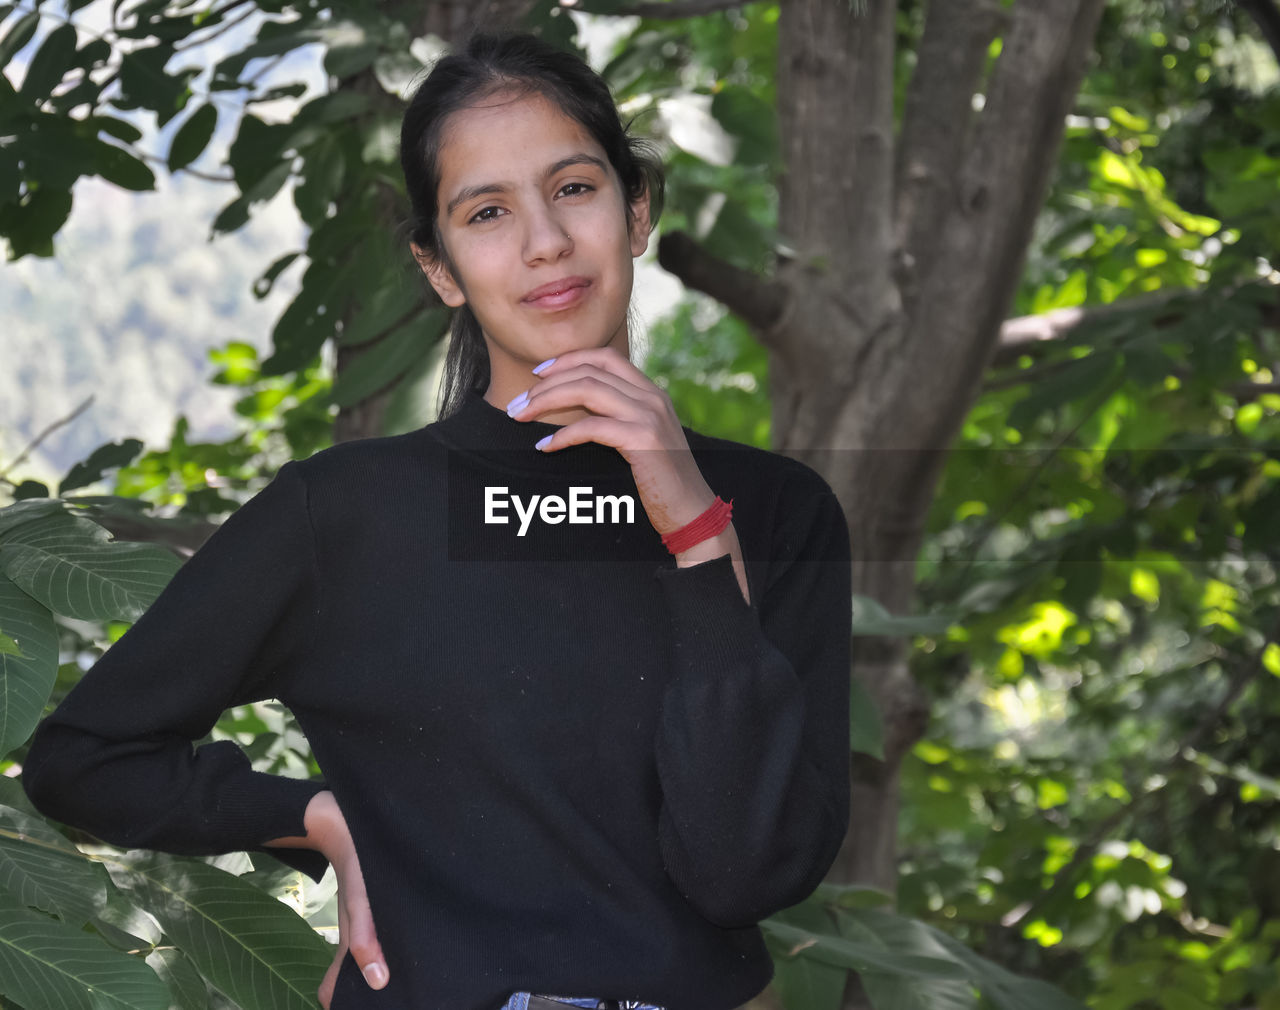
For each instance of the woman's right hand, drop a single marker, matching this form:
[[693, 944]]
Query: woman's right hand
[[327, 831]]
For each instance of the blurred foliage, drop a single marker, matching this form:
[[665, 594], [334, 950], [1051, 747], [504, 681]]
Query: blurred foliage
[[1096, 803]]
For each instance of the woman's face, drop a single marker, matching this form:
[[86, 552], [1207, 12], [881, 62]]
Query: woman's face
[[527, 198]]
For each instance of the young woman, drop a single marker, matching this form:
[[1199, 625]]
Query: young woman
[[576, 675]]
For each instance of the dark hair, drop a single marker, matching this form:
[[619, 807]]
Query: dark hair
[[488, 62]]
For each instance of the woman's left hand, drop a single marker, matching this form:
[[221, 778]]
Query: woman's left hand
[[635, 417]]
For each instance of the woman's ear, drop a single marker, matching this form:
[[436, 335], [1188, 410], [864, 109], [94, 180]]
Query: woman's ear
[[640, 224], [440, 277]]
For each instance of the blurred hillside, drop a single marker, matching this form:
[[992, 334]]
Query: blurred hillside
[[126, 313]]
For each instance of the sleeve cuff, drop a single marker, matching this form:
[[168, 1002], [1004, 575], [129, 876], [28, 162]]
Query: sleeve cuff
[[708, 612]]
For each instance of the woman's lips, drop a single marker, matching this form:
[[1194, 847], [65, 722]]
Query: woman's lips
[[562, 299]]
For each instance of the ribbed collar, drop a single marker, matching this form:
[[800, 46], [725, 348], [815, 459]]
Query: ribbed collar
[[481, 429]]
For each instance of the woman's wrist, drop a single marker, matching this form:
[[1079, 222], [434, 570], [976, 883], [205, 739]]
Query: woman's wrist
[[320, 820]]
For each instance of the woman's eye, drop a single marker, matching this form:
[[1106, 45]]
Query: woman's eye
[[477, 218], [585, 187]]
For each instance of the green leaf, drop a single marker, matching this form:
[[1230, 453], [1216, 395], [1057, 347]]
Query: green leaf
[[13, 795], [25, 680], [186, 988], [871, 618], [386, 306], [105, 457], [262, 286], [54, 58], [122, 168], [1001, 988], [347, 60], [32, 225], [193, 137], [866, 732], [145, 83], [860, 956], [20, 513], [69, 564], [40, 868], [30, 489], [748, 117], [119, 128], [236, 213], [51, 966], [388, 359], [8, 647], [1077, 379], [804, 981], [18, 35], [251, 946], [892, 991], [322, 173]]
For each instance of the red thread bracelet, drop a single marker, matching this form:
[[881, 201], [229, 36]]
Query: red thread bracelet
[[706, 526]]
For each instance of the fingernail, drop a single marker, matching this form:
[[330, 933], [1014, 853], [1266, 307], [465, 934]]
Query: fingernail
[[539, 367], [517, 402], [542, 441], [375, 975]]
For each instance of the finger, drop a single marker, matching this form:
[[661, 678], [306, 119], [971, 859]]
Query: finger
[[587, 370], [610, 359], [325, 992], [597, 393], [604, 430], [363, 939]]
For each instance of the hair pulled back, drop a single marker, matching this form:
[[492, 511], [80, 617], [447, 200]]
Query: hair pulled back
[[488, 62]]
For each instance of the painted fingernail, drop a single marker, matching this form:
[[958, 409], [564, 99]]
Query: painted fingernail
[[517, 402], [541, 443], [539, 367], [375, 975]]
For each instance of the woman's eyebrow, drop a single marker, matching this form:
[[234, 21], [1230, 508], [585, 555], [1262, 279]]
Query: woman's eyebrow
[[469, 192]]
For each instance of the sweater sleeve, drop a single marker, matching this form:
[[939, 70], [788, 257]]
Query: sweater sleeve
[[752, 744], [117, 756]]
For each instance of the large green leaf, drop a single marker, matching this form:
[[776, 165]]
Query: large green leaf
[[1001, 988], [47, 965], [69, 564], [249, 945], [25, 680], [40, 868], [186, 987], [892, 991], [805, 982], [860, 957]]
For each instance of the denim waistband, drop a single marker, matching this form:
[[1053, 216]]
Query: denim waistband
[[520, 1001]]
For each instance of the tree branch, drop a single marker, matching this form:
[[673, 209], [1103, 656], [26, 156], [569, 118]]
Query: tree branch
[[42, 435], [1035, 334], [1002, 182], [936, 118], [759, 301]]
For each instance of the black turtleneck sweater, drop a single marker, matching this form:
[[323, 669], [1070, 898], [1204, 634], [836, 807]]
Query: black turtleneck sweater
[[568, 765]]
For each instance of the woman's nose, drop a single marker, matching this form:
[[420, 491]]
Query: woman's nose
[[547, 237]]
